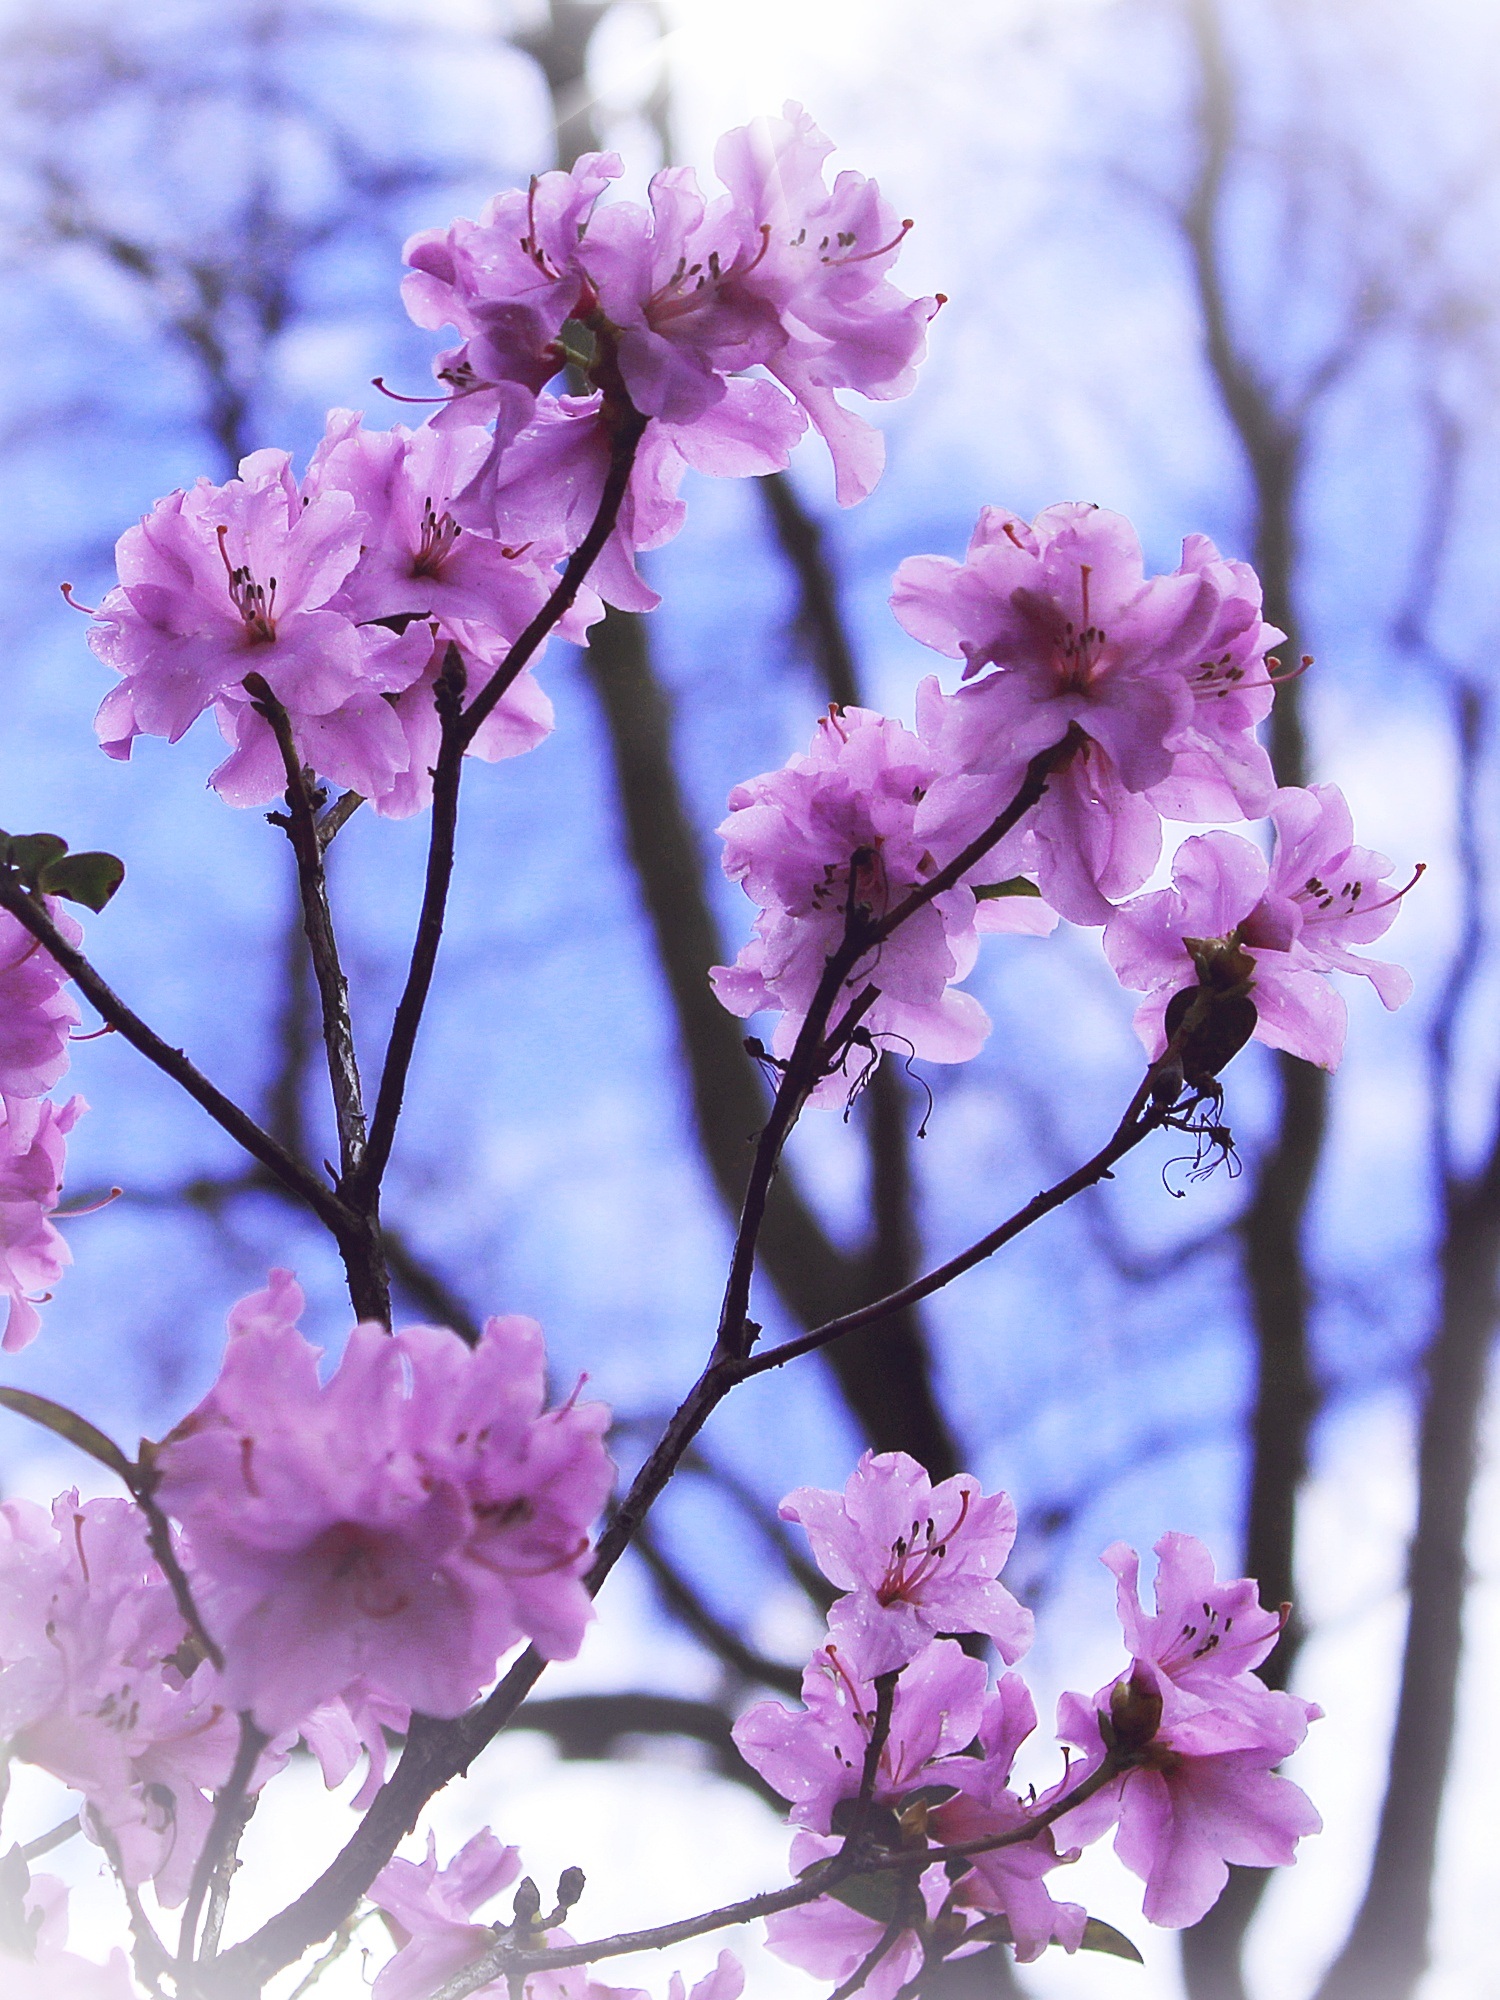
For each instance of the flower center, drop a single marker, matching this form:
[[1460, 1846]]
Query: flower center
[[917, 1557], [440, 533], [253, 601]]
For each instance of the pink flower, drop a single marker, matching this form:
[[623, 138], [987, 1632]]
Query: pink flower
[[227, 581], [671, 279], [1205, 1733], [792, 838], [815, 1758], [830, 1938], [820, 265], [414, 557], [1005, 1881], [916, 1560], [1219, 770], [1271, 932], [1153, 678], [33, 1254], [430, 1912], [36, 1012], [545, 489], [98, 1687], [508, 282], [400, 1526]]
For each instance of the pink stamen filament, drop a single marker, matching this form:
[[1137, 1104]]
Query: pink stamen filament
[[865, 256]]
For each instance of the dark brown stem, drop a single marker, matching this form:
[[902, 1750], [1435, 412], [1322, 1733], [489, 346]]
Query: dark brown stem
[[811, 1052], [301, 828], [224, 1831], [364, 1262], [240, 1126]]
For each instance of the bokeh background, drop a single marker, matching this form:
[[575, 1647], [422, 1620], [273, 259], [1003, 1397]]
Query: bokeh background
[[1229, 266]]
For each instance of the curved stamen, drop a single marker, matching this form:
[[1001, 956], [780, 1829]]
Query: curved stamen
[[89, 1208], [865, 256], [378, 382], [68, 598]]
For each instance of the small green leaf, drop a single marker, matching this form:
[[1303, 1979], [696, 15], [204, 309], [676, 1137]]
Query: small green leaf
[[32, 852], [90, 879], [68, 1424], [1099, 1936], [928, 1795], [1015, 885], [875, 1896]]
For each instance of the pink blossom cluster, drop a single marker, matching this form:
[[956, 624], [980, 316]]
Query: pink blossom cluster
[[383, 1537], [103, 1686], [1191, 1735], [347, 593], [37, 1016], [1140, 696]]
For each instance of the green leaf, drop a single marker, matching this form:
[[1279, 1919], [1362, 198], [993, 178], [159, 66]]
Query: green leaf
[[1015, 885], [875, 1896], [32, 852], [927, 1795], [68, 1424], [90, 879], [1099, 1936]]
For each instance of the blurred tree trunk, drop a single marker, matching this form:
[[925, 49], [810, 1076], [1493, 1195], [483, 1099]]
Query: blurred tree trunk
[[1387, 1949], [1274, 1220]]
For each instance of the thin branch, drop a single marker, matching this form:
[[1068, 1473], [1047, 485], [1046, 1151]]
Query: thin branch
[[223, 1834], [1141, 1119], [45, 1842], [503, 1960], [240, 1126], [301, 827], [459, 727]]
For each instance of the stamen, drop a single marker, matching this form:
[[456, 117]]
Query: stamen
[[69, 598], [378, 382], [90, 1208], [865, 256], [1417, 873]]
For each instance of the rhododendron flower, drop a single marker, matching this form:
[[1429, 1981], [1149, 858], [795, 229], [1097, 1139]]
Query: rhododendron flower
[[402, 1525], [35, 1963], [33, 1132], [815, 1757], [820, 263], [222, 582], [545, 490], [916, 1560], [429, 1910], [1206, 1733], [1005, 1881], [780, 271], [792, 838], [414, 555], [98, 1687], [829, 1938], [508, 282], [36, 1010], [1157, 681], [1273, 931]]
